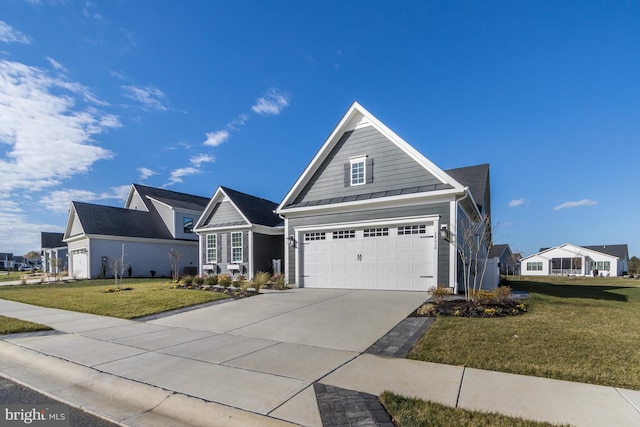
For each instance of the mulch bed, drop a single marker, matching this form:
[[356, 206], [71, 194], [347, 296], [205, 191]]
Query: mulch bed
[[463, 308], [235, 293]]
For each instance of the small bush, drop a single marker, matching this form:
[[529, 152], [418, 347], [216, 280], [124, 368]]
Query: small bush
[[199, 281], [211, 280], [224, 280], [440, 294], [187, 280]]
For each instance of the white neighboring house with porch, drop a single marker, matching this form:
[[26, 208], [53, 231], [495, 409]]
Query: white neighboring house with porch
[[573, 260]]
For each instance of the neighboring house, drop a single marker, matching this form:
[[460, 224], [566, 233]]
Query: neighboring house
[[54, 252], [572, 260], [240, 234], [507, 260], [368, 210], [152, 222], [6, 260]]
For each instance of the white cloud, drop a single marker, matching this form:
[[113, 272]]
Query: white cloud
[[515, 203], [60, 201], [201, 158], [145, 173], [8, 34], [177, 175], [49, 137], [216, 138], [241, 120], [583, 202], [56, 65], [272, 103], [150, 97]]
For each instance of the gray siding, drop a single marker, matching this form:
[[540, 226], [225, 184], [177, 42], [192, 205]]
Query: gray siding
[[265, 249], [167, 216], [136, 200], [393, 169], [142, 256], [76, 227], [441, 209], [224, 214]]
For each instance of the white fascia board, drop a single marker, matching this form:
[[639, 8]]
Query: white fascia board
[[392, 201], [346, 124], [207, 210], [140, 239], [75, 238], [206, 230], [130, 195], [271, 231], [70, 217]]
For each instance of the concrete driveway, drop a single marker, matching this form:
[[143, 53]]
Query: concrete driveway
[[259, 354]]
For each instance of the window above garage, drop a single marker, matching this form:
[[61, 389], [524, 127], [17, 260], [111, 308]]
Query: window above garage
[[358, 171]]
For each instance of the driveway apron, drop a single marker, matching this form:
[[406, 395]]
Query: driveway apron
[[260, 354]]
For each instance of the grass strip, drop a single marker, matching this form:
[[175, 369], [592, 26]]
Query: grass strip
[[9, 325], [408, 412]]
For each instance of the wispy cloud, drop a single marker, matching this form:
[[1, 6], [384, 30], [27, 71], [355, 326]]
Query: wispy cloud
[[145, 173], [49, 137], [8, 34], [59, 201], [150, 97], [56, 65], [272, 103], [201, 158], [583, 202], [177, 175], [516, 202], [216, 138]]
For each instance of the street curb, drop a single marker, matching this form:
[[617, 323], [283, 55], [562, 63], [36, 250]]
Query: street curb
[[118, 400]]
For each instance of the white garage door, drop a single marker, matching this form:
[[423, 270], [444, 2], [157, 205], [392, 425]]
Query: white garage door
[[396, 257], [79, 265]]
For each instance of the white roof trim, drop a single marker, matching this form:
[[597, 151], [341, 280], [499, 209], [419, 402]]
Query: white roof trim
[[357, 117], [578, 250], [222, 196]]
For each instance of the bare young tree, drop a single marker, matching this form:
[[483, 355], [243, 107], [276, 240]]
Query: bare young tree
[[118, 266], [174, 260], [472, 242]]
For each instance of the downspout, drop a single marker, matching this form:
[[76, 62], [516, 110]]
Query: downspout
[[454, 232]]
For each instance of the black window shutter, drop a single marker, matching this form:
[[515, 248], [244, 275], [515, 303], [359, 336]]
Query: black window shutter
[[245, 246], [369, 171], [229, 247], [218, 248], [347, 174]]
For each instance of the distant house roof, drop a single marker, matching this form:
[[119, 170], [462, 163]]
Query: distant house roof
[[112, 221], [171, 198], [618, 251], [51, 240], [496, 251], [255, 209]]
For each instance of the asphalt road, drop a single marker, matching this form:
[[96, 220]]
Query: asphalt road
[[13, 393]]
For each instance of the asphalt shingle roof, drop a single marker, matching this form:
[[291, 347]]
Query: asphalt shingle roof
[[112, 221], [477, 179], [172, 198], [257, 210], [51, 240]]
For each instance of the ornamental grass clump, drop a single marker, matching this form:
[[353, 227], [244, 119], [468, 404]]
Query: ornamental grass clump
[[260, 279]]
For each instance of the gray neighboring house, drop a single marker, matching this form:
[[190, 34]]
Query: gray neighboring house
[[371, 212], [152, 222], [6, 260], [240, 234], [507, 260], [54, 252]]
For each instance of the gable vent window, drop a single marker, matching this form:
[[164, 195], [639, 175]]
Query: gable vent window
[[344, 234], [187, 224], [314, 236], [376, 232], [357, 171], [412, 229]]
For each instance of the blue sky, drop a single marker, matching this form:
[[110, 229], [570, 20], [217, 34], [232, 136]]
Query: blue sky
[[96, 95]]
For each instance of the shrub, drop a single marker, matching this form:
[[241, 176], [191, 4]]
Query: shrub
[[440, 294], [224, 280], [498, 296], [198, 280], [211, 280], [260, 279], [187, 280]]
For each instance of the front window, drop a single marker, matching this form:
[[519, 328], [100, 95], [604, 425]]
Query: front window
[[187, 224], [534, 266], [236, 247], [212, 248], [358, 170]]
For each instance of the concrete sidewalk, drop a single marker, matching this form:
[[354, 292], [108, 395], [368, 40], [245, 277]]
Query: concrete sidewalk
[[254, 362]]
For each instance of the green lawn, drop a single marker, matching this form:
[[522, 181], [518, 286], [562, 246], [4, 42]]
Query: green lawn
[[584, 330], [9, 325], [149, 296], [12, 275], [416, 413]]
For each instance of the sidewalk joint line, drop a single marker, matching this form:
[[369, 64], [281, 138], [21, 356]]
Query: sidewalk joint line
[[464, 369], [627, 399]]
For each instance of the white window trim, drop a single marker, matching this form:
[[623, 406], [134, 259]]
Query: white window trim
[[215, 249], [233, 258], [357, 160]]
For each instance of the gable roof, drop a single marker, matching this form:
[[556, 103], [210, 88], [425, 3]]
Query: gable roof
[[357, 117], [477, 179], [168, 197], [51, 240], [616, 251], [111, 221], [254, 210], [498, 250]]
